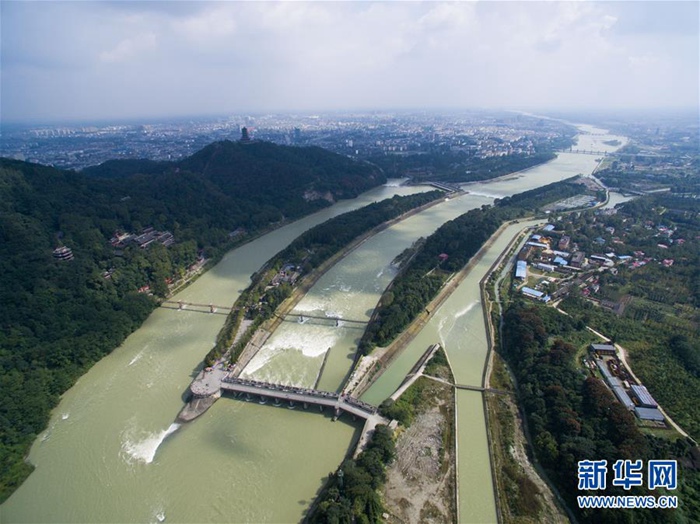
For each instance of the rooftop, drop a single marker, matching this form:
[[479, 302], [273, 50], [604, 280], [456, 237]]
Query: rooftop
[[644, 396]]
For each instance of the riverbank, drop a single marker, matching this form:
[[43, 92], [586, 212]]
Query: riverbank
[[309, 280], [205, 387], [421, 482], [386, 355], [521, 494]]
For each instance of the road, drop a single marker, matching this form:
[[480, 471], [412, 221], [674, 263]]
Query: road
[[622, 354]]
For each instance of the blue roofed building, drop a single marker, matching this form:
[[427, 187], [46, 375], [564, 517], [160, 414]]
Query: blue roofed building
[[643, 397], [615, 386], [533, 293], [649, 414]]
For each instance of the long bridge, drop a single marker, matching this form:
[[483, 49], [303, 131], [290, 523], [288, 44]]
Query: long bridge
[[483, 389], [449, 188], [587, 152], [302, 317], [183, 305], [246, 389], [297, 396]]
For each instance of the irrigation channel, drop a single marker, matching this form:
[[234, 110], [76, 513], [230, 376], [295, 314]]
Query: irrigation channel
[[112, 454]]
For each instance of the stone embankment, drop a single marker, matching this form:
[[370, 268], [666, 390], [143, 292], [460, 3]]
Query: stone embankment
[[206, 387]]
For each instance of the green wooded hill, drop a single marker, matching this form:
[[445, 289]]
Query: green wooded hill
[[259, 181], [58, 317]]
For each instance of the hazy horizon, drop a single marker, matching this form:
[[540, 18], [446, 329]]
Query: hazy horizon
[[584, 114], [82, 62]]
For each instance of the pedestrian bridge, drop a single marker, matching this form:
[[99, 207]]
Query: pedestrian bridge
[[296, 396], [191, 306], [587, 152], [301, 318], [449, 188]]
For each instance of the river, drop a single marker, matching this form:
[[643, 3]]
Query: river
[[97, 461], [105, 456]]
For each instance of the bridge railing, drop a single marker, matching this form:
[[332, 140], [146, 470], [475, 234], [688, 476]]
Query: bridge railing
[[360, 404], [307, 392], [282, 388]]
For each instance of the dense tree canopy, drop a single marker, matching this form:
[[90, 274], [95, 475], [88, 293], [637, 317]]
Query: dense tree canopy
[[460, 239], [59, 317], [574, 417]]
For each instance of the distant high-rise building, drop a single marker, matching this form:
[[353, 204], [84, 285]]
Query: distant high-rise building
[[244, 135], [297, 135]]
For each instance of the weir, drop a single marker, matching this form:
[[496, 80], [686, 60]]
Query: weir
[[212, 382], [291, 394], [294, 396]]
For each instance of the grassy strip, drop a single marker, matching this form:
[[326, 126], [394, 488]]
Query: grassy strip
[[518, 496], [444, 252], [309, 251]]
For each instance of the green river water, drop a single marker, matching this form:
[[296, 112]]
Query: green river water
[[112, 453]]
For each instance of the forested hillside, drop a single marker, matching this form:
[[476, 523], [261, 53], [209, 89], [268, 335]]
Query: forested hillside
[[444, 252], [60, 315], [648, 304], [573, 416]]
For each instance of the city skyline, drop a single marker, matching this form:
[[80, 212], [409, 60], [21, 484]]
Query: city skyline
[[73, 61]]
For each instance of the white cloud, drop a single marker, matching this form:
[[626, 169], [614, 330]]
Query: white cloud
[[209, 26], [130, 48], [642, 62], [191, 57]]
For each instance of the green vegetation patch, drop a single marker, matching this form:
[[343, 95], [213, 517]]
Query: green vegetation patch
[[573, 416], [444, 252], [351, 493], [306, 253]]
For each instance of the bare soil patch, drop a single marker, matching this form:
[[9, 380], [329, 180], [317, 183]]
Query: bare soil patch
[[420, 484]]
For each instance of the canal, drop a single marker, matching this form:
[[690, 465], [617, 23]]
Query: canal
[[105, 456]]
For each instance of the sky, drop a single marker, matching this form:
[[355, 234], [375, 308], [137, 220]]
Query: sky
[[90, 60]]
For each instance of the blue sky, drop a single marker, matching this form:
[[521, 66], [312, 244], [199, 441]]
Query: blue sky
[[81, 60]]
